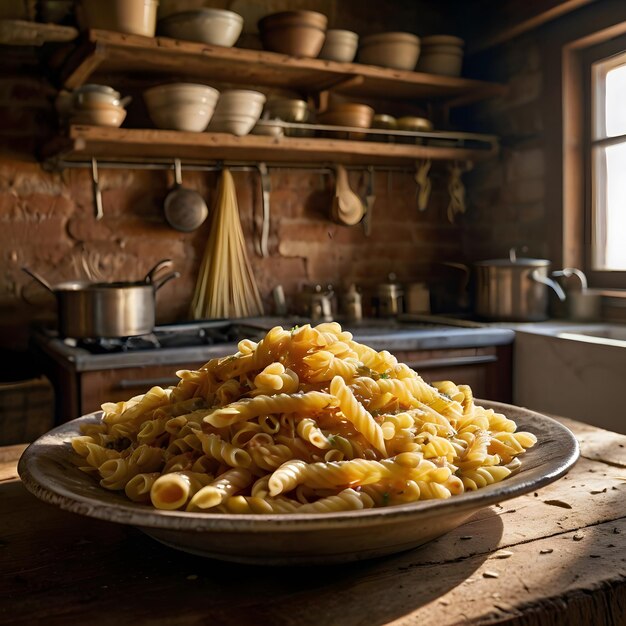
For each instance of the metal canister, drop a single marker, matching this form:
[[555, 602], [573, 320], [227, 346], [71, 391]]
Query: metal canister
[[389, 299]]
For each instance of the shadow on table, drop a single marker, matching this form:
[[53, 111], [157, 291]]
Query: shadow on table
[[111, 573]]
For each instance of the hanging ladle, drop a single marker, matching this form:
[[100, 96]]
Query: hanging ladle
[[185, 209], [347, 206]]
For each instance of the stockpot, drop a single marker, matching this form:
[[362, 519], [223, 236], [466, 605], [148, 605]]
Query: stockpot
[[88, 310], [514, 289]]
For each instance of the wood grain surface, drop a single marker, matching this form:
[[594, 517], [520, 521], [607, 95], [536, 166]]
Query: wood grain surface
[[556, 556]]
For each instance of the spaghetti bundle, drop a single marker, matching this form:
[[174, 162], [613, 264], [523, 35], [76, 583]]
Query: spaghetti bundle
[[226, 286]]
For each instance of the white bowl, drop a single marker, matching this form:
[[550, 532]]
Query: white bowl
[[191, 117], [339, 45], [180, 93], [237, 102], [234, 124], [217, 27]]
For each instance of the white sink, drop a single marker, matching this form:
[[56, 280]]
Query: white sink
[[574, 370], [608, 334]]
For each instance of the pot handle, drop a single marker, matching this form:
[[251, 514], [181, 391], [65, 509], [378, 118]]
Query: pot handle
[[42, 281], [163, 263], [166, 279], [544, 280]]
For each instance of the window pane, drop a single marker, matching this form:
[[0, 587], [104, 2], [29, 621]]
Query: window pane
[[615, 101], [609, 218], [608, 97]]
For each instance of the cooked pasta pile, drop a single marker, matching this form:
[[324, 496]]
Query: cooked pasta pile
[[304, 421]]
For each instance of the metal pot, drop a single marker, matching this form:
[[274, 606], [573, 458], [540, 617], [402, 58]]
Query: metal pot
[[514, 290], [89, 310]]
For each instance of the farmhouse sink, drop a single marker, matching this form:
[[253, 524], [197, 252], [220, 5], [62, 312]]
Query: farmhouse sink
[[608, 334], [574, 370]]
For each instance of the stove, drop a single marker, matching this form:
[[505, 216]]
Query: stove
[[87, 373]]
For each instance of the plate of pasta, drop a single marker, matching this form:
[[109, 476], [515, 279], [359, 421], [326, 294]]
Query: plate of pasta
[[303, 447]]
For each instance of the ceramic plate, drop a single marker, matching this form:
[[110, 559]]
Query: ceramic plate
[[47, 470]]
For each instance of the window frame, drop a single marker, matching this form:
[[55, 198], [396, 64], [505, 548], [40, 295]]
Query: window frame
[[603, 51], [566, 106]]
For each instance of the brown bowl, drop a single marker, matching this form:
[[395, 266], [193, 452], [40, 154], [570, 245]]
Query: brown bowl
[[395, 50], [296, 33], [348, 114]]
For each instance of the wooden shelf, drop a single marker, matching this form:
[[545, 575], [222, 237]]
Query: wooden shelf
[[108, 52], [141, 145]]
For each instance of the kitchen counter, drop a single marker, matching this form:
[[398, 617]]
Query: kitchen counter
[[380, 334], [557, 556]]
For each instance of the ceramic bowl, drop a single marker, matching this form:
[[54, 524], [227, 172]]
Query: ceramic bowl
[[239, 125], [395, 50], [348, 114], [185, 116], [181, 106], [340, 46], [217, 27], [240, 102], [271, 128], [109, 116], [441, 54], [136, 17], [165, 95], [48, 470], [287, 109], [296, 33]]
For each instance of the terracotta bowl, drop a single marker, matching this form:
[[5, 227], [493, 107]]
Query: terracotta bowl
[[217, 27], [296, 33], [396, 50], [441, 54], [137, 17], [109, 116], [348, 114]]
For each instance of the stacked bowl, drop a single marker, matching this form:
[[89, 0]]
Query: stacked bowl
[[296, 33], [339, 45], [399, 51], [441, 54], [181, 106], [237, 112], [97, 105], [217, 27]]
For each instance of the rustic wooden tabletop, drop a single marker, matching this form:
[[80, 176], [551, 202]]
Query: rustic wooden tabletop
[[557, 556]]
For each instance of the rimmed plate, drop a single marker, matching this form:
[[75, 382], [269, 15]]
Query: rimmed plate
[[48, 471]]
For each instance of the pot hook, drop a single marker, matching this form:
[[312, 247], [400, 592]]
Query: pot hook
[[166, 279], [42, 281], [163, 263]]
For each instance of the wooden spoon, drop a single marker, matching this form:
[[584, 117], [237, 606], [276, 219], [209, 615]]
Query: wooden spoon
[[347, 206]]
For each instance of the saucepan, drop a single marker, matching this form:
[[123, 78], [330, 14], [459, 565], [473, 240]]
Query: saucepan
[[88, 310], [514, 289]]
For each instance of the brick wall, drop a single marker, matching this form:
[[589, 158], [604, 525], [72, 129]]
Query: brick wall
[[47, 223], [507, 205]]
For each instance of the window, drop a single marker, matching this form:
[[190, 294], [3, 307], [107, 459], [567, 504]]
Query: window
[[607, 219]]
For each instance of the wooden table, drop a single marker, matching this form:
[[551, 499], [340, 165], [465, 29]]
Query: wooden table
[[557, 556]]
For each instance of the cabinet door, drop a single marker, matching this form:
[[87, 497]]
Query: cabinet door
[[486, 370], [121, 384]]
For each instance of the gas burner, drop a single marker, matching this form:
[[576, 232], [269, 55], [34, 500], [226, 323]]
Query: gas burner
[[106, 345]]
